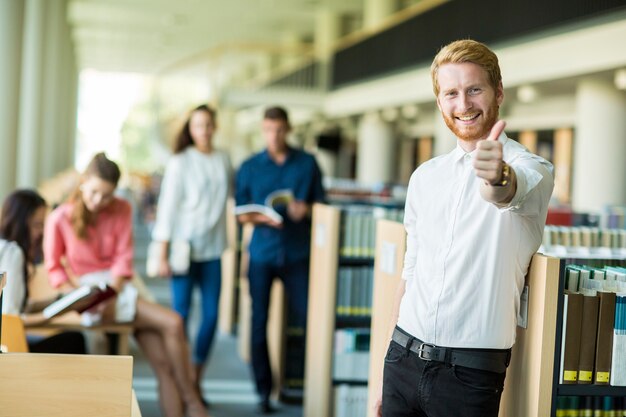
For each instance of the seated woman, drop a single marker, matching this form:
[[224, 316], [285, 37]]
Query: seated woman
[[21, 231], [89, 239]]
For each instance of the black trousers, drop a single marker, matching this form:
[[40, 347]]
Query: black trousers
[[413, 387], [295, 277]]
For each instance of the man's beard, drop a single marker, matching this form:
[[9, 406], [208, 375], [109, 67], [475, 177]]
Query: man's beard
[[476, 132]]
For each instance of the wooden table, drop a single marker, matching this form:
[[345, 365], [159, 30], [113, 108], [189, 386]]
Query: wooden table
[[71, 322]]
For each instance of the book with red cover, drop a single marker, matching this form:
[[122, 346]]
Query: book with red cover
[[80, 300]]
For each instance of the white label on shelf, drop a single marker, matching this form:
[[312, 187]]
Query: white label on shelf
[[388, 258], [522, 316], [320, 235]]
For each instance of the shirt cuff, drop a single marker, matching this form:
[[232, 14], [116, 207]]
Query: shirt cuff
[[527, 180]]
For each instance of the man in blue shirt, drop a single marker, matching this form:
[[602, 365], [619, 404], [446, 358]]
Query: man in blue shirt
[[277, 249]]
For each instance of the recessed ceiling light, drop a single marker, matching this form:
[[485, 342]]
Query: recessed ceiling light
[[527, 93]]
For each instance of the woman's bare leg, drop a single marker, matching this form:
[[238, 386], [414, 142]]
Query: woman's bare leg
[[169, 326], [152, 345]]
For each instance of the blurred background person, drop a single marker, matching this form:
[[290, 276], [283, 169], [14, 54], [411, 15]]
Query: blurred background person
[[192, 211], [89, 240]]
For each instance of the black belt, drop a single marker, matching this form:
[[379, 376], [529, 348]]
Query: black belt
[[494, 360]]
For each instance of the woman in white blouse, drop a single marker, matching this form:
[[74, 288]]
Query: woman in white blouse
[[21, 232], [192, 209]]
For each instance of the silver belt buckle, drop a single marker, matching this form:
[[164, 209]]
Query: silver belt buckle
[[421, 350]]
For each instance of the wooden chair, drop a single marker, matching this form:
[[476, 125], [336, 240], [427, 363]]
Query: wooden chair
[[13, 334]]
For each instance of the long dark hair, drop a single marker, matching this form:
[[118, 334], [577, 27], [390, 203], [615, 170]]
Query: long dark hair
[[103, 168], [17, 210], [184, 139]]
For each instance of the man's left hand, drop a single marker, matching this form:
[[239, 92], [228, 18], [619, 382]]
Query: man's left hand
[[488, 158], [297, 210]]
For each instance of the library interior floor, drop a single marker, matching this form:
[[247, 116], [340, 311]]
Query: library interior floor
[[227, 383]]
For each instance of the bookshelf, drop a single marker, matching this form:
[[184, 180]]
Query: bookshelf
[[341, 266], [531, 386]]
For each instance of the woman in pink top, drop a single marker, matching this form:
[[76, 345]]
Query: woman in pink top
[[89, 239]]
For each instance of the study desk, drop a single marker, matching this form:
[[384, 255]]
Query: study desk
[[39, 384]]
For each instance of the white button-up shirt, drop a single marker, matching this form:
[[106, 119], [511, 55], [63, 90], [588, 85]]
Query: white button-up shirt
[[466, 258], [192, 203]]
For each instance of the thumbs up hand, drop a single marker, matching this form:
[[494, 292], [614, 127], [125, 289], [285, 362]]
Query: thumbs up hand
[[488, 156]]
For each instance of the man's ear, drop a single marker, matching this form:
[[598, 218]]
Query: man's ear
[[500, 93]]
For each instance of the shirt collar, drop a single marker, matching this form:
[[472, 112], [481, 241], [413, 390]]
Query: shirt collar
[[265, 155], [458, 153]]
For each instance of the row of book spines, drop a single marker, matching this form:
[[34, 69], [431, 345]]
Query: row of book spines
[[352, 340], [588, 280], [358, 229], [583, 236], [588, 406], [355, 285], [350, 401], [591, 338]]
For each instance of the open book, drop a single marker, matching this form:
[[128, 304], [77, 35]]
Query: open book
[[81, 299], [274, 199]]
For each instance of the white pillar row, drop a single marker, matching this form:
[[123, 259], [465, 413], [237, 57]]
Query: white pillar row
[[30, 117], [52, 91], [599, 145], [376, 11], [444, 139], [375, 150], [11, 18]]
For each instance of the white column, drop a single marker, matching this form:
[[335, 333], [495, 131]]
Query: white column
[[444, 139], [327, 31], [11, 18], [376, 11], [599, 146], [68, 101], [52, 100], [31, 94], [375, 151], [290, 56]]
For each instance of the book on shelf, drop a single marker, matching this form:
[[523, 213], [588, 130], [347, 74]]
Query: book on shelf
[[81, 299], [350, 401], [604, 339], [351, 354], [587, 405], [618, 355], [272, 201], [588, 334], [570, 341], [354, 291]]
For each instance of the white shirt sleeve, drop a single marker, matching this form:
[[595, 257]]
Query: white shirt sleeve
[[410, 256], [12, 262], [535, 181], [170, 196]]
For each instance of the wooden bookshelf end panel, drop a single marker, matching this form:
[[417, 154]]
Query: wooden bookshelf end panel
[[528, 385], [390, 242], [321, 311]]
